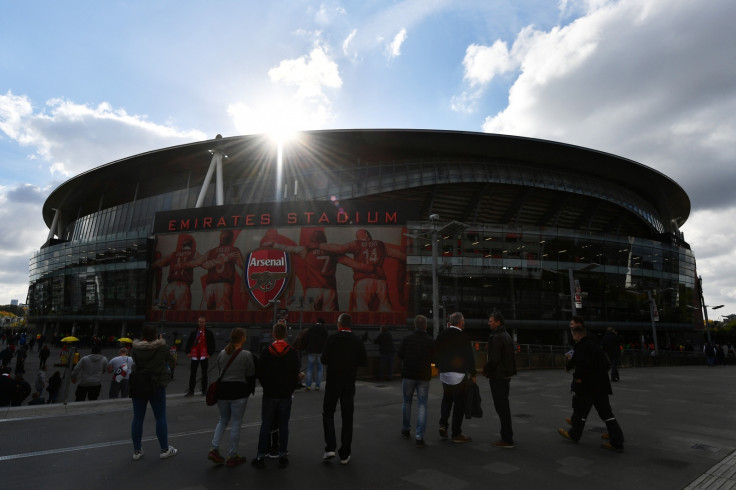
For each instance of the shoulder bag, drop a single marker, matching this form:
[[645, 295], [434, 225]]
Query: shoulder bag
[[211, 397]]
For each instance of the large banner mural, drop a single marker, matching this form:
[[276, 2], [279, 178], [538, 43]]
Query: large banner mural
[[301, 260]]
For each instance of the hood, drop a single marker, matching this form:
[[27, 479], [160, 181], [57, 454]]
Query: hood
[[144, 350], [279, 348]]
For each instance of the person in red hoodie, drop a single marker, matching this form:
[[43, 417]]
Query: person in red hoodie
[[278, 373]]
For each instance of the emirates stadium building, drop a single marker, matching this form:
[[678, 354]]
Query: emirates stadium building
[[384, 224]]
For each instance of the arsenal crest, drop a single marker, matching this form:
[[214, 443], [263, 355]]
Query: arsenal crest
[[267, 274]]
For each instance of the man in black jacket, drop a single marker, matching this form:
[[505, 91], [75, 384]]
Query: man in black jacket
[[590, 387], [417, 351], [278, 372], [500, 367], [343, 353], [456, 364]]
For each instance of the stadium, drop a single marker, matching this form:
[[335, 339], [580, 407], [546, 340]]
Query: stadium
[[385, 224]]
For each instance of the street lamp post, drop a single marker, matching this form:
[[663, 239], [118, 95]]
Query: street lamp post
[[705, 314], [435, 286]]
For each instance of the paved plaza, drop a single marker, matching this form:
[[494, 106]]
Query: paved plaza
[[678, 422]]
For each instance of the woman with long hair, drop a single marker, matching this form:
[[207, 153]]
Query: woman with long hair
[[151, 363], [232, 396]]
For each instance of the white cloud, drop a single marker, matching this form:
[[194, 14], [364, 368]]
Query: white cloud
[[309, 73], [648, 80], [346, 49], [63, 139], [394, 47], [72, 138]]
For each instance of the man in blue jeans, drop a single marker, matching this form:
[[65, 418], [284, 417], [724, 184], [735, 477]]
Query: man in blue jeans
[[417, 351], [278, 372]]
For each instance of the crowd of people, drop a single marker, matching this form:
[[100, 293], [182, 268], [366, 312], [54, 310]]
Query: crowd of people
[[143, 371]]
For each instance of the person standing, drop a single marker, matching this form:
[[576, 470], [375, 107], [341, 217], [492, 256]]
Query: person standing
[[54, 387], [315, 344], [590, 388], [200, 345], [232, 396], [417, 351], [120, 368], [500, 367], [343, 353], [456, 365], [151, 359], [278, 372], [611, 344], [40, 383], [386, 354], [89, 371], [7, 387], [43, 355]]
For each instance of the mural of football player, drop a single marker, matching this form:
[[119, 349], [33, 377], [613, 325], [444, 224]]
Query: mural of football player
[[177, 292], [220, 263], [320, 283], [369, 286]]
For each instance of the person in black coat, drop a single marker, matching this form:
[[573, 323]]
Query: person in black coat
[[590, 387], [417, 351], [200, 346], [500, 367], [456, 365]]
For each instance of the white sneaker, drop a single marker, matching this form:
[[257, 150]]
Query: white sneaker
[[345, 461], [328, 455], [168, 453], [137, 455]]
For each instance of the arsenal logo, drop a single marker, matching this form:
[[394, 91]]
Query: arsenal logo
[[267, 274]]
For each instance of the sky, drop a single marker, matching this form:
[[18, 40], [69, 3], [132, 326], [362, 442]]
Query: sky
[[85, 83]]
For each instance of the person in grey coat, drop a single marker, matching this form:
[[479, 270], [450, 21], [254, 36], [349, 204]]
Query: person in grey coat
[[88, 372]]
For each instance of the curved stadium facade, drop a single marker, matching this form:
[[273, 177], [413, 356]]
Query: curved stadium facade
[[245, 230]]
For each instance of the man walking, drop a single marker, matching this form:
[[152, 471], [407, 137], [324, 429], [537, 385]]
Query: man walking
[[88, 372], [590, 387], [200, 346], [343, 353], [456, 364], [417, 351], [500, 367]]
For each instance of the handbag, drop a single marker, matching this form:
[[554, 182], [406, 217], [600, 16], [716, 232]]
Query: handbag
[[211, 397]]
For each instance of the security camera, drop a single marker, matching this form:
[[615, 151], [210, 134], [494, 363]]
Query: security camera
[[434, 217]]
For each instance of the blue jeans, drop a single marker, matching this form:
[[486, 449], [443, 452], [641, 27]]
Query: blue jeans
[[279, 410], [157, 399], [408, 386], [230, 410], [313, 360]]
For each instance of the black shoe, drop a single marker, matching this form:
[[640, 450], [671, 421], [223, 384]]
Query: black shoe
[[443, 432], [258, 463], [405, 434], [189, 393], [607, 445], [283, 462], [420, 443]]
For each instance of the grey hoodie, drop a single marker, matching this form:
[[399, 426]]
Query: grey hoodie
[[89, 370]]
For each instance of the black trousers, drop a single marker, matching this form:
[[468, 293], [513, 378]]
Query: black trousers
[[581, 405], [453, 400], [193, 374], [345, 394], [500, 392]]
